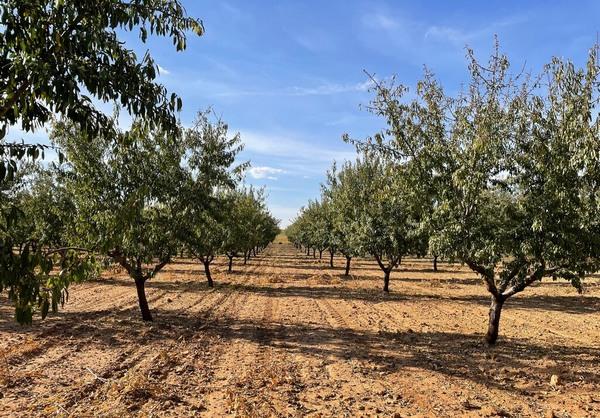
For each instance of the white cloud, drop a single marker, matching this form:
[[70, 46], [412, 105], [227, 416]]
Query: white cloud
[[449, 34], [163, 71], [285, 214], [331, 88], [460, 37], [381, 21], [221, 89], [295, 155], [265, 172], [416, 36]]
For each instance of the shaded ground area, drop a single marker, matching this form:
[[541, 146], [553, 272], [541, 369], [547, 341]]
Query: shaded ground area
[[286, 335]]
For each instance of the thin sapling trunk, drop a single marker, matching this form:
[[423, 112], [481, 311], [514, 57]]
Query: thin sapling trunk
[[348, 259], [230, 266], [206, 261], [140, 286]]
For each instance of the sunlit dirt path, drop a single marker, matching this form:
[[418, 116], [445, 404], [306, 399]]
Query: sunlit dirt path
[[286, 335]]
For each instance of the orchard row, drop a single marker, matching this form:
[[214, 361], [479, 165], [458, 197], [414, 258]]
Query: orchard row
[[503, 177], [138, 204]]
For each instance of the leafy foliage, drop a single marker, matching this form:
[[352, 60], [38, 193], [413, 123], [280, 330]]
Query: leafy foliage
[[37, 264], [53, 52], [127, 197], [502, 177], [55, 56]]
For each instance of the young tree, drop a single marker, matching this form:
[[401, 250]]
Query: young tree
[[202, 226], [341, 193], [127, 198], [374, 213], [512, 163], [516, 212], [249, 224], [384, 227], [236, 234]]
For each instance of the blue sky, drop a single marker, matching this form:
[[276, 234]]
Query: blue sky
[[288, 75]]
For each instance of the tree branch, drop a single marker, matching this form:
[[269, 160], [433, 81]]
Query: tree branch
[[487, 274]]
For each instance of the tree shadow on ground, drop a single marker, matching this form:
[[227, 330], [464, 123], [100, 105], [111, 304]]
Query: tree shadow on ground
[[572, 304], [326, 267]]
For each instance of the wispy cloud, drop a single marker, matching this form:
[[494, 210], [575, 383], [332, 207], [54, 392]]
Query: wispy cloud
[[460, 36], [265, 172], [381, 21], [295, 156], [416, 35], [324, 89], [330, 88], [163, 71]]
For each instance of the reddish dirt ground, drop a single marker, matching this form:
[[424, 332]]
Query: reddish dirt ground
[[286, 335]]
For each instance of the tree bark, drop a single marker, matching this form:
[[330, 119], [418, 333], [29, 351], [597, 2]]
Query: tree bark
[[245, 257], [386, 281], [320, 254], [207, 271], [314, 253], [331, 258], [307, 250], [230, 268], [494, 324], [347, 265], [140, 283], [435, 257]]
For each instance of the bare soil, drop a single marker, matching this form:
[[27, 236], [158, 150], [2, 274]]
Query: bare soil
[[286, 335]]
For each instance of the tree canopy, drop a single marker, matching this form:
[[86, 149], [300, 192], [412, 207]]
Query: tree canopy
[[55, 56]]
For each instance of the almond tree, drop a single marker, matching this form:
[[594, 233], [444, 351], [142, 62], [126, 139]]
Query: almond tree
[[50, 50], [375, 216], [517, 211], [126, 198], [341, 193], [203, 218], [383, 226], [515, 164]]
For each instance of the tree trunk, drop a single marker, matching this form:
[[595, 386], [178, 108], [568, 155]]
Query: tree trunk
[[494, 324], [207, 271], [331, 258], [245, 257], [435, 257], [314, 253], [347, 265], [386, 281], [230, 268], [141, 293], [254, 252], [320, 254], [307, 250]]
